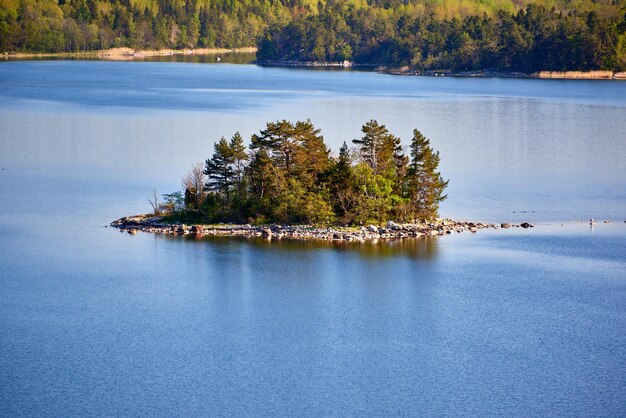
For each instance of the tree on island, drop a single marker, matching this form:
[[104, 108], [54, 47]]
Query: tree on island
[[219, 170], [425, 184], [289, 176]]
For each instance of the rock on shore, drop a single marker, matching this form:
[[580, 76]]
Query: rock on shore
[[392, 230]]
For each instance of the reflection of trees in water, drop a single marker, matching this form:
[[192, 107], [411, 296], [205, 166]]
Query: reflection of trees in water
[[417, 248], [227, 58]]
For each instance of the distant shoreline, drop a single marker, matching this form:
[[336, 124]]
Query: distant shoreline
[[130, 54], [564, 75], [126, 54], [391, 231]]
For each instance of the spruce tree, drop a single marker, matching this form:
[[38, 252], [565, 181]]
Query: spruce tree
[[426, 185]]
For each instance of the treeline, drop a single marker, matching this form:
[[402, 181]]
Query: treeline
[[532, 39], [288, 175], [455, 35], [78, 25]]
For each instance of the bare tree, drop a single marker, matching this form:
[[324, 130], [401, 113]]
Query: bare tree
[[194, 182], [154, 202]]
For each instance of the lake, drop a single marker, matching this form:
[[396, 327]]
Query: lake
[[507, 322]]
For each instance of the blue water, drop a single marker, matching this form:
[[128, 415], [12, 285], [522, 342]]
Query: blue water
[[509, 322]]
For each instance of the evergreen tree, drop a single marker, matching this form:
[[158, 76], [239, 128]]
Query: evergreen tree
[[278, 138], [425, 182], [239, 157], [339, 182], [262, 176], [219, 169], [311, 156], [379, 148]]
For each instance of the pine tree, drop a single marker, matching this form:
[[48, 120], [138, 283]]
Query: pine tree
[[262, 176], [379, 148], [219, 169], [426, 185], [277, 137], [239, 156], [311, 156], [339, 182]]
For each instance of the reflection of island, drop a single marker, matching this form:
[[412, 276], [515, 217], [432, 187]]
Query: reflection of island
[[423, 249]]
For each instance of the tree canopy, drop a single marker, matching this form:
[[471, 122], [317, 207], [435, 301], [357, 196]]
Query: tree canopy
[[288, 175], [422, 35]]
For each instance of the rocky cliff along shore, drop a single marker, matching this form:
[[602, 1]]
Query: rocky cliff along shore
[[392, 230]]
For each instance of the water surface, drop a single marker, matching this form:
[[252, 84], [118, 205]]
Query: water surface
[[515, 322]]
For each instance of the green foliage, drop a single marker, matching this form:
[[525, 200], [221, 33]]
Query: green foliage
[[461, 36], [173, 202], [424, 35], [289, 176], [426, 185], [219, 169]]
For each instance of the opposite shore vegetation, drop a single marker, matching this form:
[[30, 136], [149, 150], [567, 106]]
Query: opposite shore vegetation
[[408, 36]]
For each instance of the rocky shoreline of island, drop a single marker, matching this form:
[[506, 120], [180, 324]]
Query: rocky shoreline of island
[[390, 231]]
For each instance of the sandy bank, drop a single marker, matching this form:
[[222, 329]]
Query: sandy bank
[[573, 75]]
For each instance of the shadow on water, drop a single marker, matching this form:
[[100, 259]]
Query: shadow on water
[[227, 58], [413, 248]]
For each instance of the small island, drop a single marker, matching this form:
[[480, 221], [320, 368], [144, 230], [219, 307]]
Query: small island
[[288, 184]]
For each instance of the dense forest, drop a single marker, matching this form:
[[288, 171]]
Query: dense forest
[[288, 175], [456, 35], [532, 39]]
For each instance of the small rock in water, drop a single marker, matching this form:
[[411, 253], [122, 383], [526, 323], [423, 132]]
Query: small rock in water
[[505, 225], [526, 225]]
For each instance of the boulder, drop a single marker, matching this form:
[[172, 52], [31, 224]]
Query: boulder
[[266, 233], [392, 225], [372, 228]]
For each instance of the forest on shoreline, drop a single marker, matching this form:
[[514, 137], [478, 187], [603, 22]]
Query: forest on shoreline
[[288, 175], [421, 35]]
